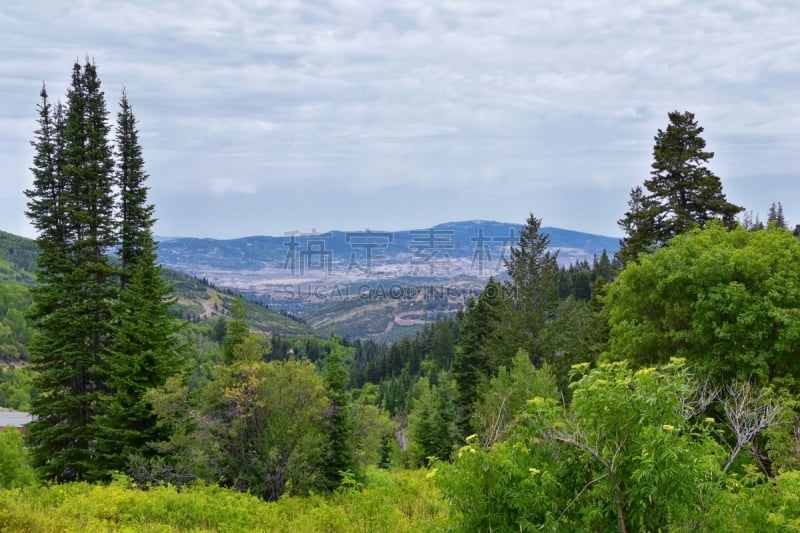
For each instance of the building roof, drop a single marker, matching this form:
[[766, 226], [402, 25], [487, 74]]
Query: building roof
[[17, 419]]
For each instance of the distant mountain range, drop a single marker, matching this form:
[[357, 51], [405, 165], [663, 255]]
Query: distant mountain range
[[368, 283], [472, 248]]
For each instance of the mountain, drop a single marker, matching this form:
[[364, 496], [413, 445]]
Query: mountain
[[196, 299], [368, 283], [473, 248]]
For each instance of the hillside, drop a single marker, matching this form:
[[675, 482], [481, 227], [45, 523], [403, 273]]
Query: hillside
[[17, 259], [197, 301]]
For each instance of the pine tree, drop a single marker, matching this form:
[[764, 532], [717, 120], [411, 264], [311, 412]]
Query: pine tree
[[100, 346], [682, 191], [143, 356], [775, 215], [338, 456], [533, 270], [237, 331], [135, 215], [71, 206], [472, 365]]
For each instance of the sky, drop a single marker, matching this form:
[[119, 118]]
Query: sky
[[262, 118]]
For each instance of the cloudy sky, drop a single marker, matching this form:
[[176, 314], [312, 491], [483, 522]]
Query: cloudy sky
[[260, 117]]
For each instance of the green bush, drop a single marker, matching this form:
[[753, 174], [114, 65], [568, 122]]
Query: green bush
[[15, 471], [390, 502]]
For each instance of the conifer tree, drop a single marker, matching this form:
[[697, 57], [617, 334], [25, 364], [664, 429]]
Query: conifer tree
[[135, 214], [338, 457], [639, 225], [143, 355], [100, 346], [682, 191], [237, 331], [71, 206], [775, 216], [472, 366], [533, 270]]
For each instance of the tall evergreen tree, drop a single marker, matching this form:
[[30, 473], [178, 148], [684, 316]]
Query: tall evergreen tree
[[71, 205], [775, 216], [143, 354], [683, 192], [135, 214], [533, 270], [338, 456], [472, 365], [237, 331], [639, 225], [100, 346]]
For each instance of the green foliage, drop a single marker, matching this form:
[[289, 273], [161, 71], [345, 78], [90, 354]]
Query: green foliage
[[105, 335], [472, 365], [143, 355], [17, 260], [237, 331], [533, 270], [16, 388], [622, 456], [506, 395], [726, 300], [751, 505], [402, 502], [266, 419], [431, 425], [15, 470], [372, 428], [15, 331], [576, 333]]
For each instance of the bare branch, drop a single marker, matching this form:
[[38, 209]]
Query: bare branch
[[748, 412]]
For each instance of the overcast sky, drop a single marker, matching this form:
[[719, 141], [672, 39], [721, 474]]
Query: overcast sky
[[268, 117]]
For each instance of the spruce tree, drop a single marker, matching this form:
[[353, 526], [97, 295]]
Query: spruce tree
[[100, 346], [144, 353], [236, 332], [682, 192], [775, 215], [472, 365], [71, 206], [533, 270], [135, 214], [338, 457], [639, 225]]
